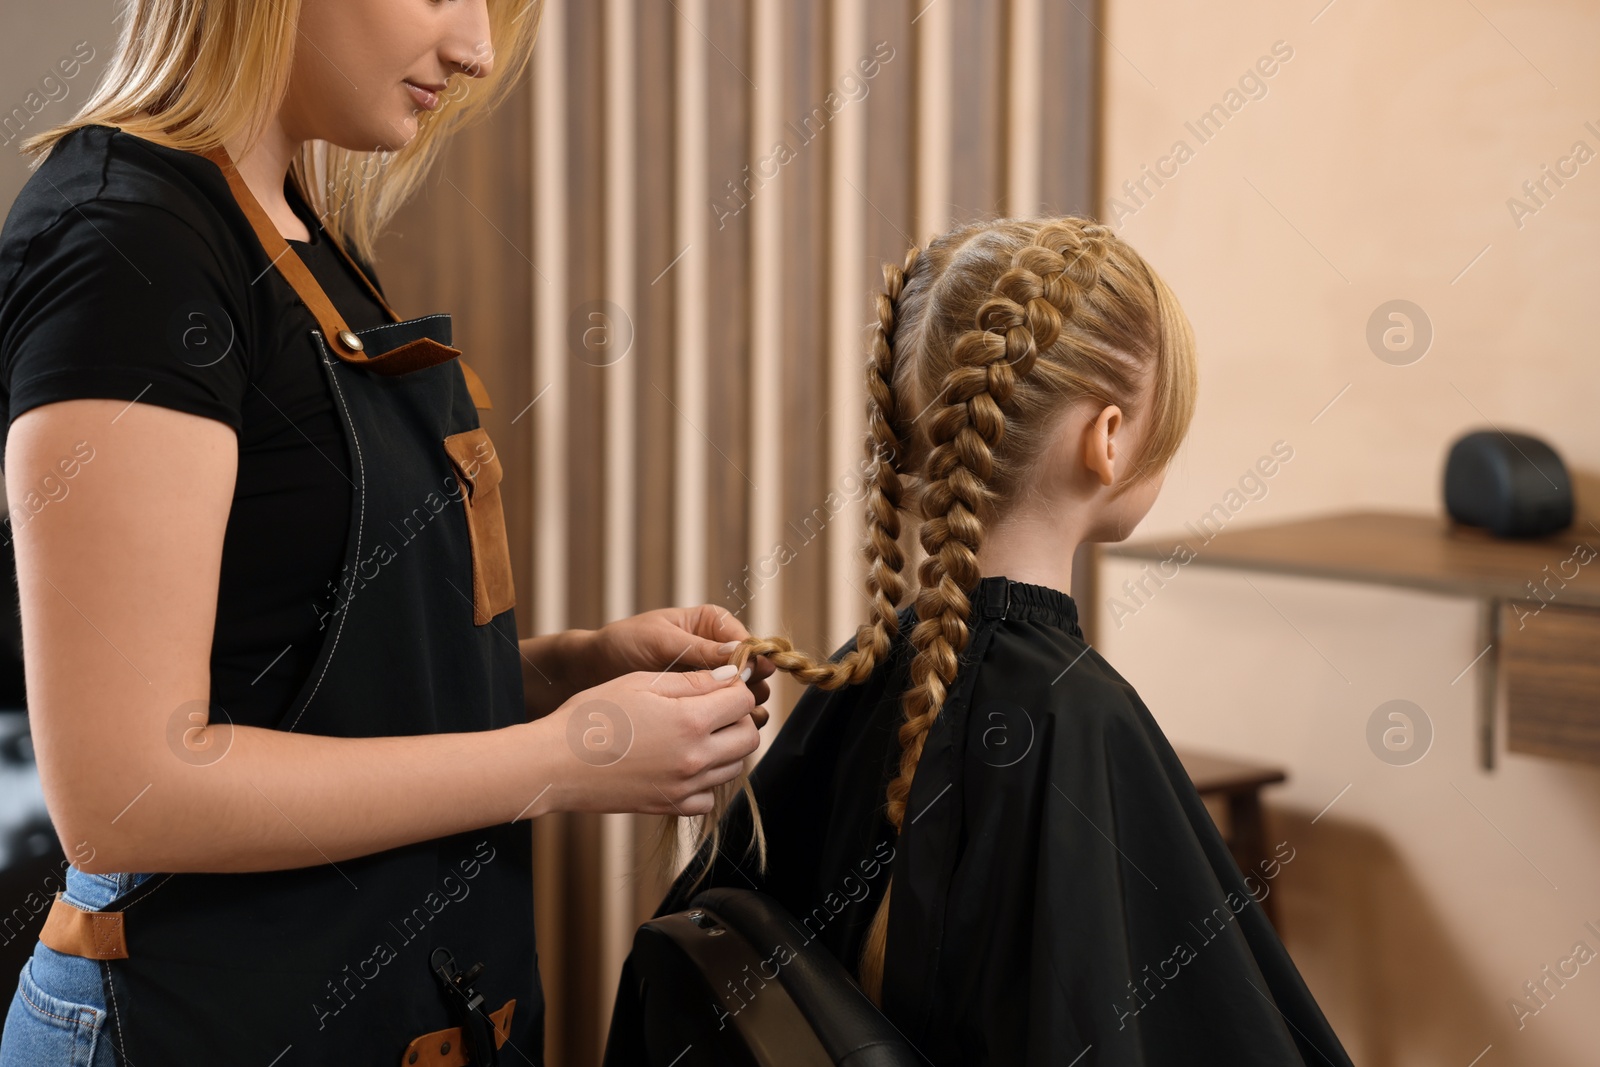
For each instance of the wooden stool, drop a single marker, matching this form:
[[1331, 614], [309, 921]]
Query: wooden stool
[[1238, 784]]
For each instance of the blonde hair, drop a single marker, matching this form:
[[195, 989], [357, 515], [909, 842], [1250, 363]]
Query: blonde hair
[[983, 342], [185, 62]]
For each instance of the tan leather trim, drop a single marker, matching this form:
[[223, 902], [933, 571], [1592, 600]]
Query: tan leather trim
[[348, 258], [480, 395], [477, 465], [443, 1048], [418, 355], [287, 261], [94, 935]]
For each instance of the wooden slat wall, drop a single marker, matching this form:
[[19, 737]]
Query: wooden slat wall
[[667, 473]]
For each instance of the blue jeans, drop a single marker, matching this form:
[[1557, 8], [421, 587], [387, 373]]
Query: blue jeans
[[58, 1015]]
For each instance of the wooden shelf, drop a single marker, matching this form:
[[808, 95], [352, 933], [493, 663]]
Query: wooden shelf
[[1393, 548], [1539, 603]]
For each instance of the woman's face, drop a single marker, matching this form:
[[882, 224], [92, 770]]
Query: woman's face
[[354, 58]]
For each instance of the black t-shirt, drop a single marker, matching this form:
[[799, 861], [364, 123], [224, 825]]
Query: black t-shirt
[[128, 270]]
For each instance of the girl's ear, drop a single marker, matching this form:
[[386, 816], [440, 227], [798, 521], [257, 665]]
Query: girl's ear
[[1100, 445]]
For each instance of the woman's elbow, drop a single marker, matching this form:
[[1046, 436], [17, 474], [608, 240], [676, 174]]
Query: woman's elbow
[[104, 816]]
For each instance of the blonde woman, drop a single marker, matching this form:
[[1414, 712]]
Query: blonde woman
[[286, 730], [970, 808]]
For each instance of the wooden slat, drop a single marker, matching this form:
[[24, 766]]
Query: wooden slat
[[1069, 94], [935, 70], [1025, 132], [797, 601], [690, 280], [889, 193], [587, 434], [658, 235], [975, 152], [584, 399], [764, 489], [725, 292], [847, 284], [554, 855], [619, 371], [659, 238]]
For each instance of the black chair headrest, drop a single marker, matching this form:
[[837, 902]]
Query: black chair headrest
[[735, 981]]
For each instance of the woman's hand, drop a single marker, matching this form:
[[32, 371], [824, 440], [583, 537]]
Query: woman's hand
[[657, 743], [677, 639]]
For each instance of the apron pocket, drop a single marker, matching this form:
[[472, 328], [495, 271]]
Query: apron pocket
[[477, 467]]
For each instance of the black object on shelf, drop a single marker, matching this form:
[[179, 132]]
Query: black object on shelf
[[1512, 484]]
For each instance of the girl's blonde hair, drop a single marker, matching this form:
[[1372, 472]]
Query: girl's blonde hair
[[208, 71], [983, 342]]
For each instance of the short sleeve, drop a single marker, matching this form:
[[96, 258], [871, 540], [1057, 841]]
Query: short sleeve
[[127, 301]]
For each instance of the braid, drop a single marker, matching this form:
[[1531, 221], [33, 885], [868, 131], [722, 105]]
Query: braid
[[1022, 315], [881, 548], [1031, 301], [885, 585]]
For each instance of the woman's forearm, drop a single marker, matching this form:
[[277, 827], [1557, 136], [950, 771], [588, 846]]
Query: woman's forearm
[[248, 798], [555, 666], [277, 799]]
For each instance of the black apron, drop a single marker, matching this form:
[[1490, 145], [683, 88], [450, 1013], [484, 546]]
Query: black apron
[[373, 960]]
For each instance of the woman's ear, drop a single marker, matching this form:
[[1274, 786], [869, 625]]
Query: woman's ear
[[1100, 445]]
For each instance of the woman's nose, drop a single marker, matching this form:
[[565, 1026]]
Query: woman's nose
[[475, 60], [478, 63]]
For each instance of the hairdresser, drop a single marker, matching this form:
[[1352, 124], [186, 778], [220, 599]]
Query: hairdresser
[[288, 734]]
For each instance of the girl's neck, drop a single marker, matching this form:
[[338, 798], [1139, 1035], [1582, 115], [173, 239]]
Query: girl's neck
[[1031, 549]]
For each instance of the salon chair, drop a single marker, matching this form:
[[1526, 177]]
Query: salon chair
[[732, 981]]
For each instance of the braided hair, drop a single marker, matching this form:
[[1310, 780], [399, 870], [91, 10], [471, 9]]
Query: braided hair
[[985, 339]]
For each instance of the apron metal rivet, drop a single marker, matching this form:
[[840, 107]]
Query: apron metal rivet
[[444, 1049], [350, 341]]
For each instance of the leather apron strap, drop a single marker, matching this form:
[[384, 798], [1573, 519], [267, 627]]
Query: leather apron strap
[[342, 340], [449, 1048], [94, 935]]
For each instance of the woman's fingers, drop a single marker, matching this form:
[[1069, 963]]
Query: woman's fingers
[[712, 777], [686, 732], [725, 699], [700, 796], [716, 623], [733, 742]]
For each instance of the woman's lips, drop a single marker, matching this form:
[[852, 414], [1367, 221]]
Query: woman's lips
[[426, 99]]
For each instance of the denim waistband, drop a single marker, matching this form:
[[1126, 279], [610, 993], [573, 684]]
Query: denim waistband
[[94, 891]]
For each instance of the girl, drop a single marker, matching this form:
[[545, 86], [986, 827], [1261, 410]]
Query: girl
[[286, 728], [970, 808]]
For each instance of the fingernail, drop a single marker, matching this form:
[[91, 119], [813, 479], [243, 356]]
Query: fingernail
[[727, 648], [744, 675], [724, 672]]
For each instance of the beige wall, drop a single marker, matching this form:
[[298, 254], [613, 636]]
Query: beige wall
[[1377, 166], [51, 55]]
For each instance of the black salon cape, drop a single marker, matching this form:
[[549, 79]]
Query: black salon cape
[[1061, 895]]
